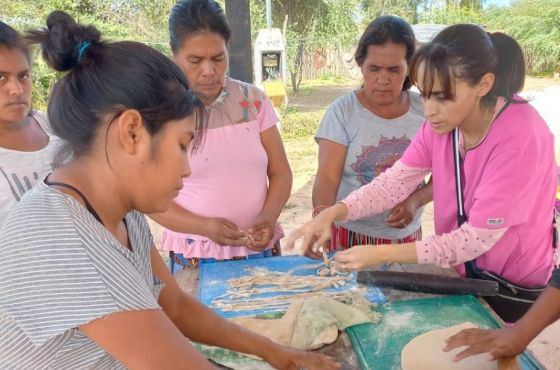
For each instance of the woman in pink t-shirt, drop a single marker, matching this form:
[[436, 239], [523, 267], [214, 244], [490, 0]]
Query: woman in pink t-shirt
[[229, 206], [468, 80]]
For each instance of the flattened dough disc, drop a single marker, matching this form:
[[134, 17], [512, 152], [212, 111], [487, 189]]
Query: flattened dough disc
[[425, 352]]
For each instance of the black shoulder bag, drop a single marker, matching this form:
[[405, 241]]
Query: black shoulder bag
[[512, 300]]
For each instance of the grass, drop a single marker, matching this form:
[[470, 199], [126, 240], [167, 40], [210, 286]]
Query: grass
[[308, 87], [302, 155], [300, 124]]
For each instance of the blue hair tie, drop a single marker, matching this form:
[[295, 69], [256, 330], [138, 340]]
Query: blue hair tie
[[82, 47]]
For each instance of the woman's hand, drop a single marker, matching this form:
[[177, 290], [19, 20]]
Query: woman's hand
[[359, 257], [317, 232], [403, 213], [285, 358], [261, 233], [224, 232], [506, 342]]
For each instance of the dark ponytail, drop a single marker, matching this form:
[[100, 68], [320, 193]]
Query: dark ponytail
[[467, 52], [62, 39], [105, 79], [510, 66]]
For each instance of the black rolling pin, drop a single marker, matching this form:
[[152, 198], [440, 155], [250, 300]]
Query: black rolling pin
[[427, 283]]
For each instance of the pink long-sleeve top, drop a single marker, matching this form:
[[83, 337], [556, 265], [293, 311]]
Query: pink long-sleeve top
[[509, 187]]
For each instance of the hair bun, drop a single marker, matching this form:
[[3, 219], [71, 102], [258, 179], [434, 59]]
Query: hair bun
[[61, 42]]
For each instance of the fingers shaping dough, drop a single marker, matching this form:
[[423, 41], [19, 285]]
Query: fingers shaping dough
[[425, 352]]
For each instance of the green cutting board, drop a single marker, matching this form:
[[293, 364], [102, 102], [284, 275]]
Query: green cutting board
[[378, 346]]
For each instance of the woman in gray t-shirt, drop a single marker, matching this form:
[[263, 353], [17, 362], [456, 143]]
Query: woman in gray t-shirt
[[364, 132]]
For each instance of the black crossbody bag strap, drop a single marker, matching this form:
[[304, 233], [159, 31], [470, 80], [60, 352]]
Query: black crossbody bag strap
[[555, 240], [470, 266], [461, 218]]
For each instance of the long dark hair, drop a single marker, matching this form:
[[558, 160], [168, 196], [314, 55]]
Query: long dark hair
[[107, 78], [467, 52], [190, 17], [386, 29]]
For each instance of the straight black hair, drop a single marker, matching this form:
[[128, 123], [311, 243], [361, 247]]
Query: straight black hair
[[106, 78], [11, 39], [467, 52], [386, 29], [191, 17]]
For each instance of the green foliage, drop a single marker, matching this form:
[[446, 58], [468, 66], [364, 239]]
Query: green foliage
[[536, 26], [299, 124], [465, 4], [407, 9], [258, 17], [43, 77], [312, 24], [139, 20], [453, 15]]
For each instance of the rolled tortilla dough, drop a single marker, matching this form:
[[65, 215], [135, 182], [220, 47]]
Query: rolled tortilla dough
[[425, 352]]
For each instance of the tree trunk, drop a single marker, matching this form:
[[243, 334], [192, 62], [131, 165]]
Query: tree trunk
[[296, 72], [239, 48], [293, 77]]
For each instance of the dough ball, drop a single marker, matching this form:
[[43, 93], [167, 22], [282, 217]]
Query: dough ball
[[425, 352]]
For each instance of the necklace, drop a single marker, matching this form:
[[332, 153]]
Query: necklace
[[468, 146]]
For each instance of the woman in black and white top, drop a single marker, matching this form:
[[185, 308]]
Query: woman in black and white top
[[101, 296], [26, 143]]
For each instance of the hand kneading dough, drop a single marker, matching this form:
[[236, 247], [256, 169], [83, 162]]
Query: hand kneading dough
[[425, 353]]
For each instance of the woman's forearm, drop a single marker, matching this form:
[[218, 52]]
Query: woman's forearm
[[365, 256], [424, 195], [544, 312], [279, 188], [385, 191], [458, 246], [180, 220], [399, 253], [201, 324], [324, 191], [198, 322]]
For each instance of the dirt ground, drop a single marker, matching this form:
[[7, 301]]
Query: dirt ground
[[302, 154], [320, 97]]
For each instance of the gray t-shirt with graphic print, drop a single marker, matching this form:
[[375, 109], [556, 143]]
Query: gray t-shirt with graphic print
[[374, 144]]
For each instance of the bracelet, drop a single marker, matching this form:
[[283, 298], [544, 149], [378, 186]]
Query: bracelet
[[318, 209]]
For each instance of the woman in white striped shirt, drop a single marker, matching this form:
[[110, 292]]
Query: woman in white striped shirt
[[101, 296]]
